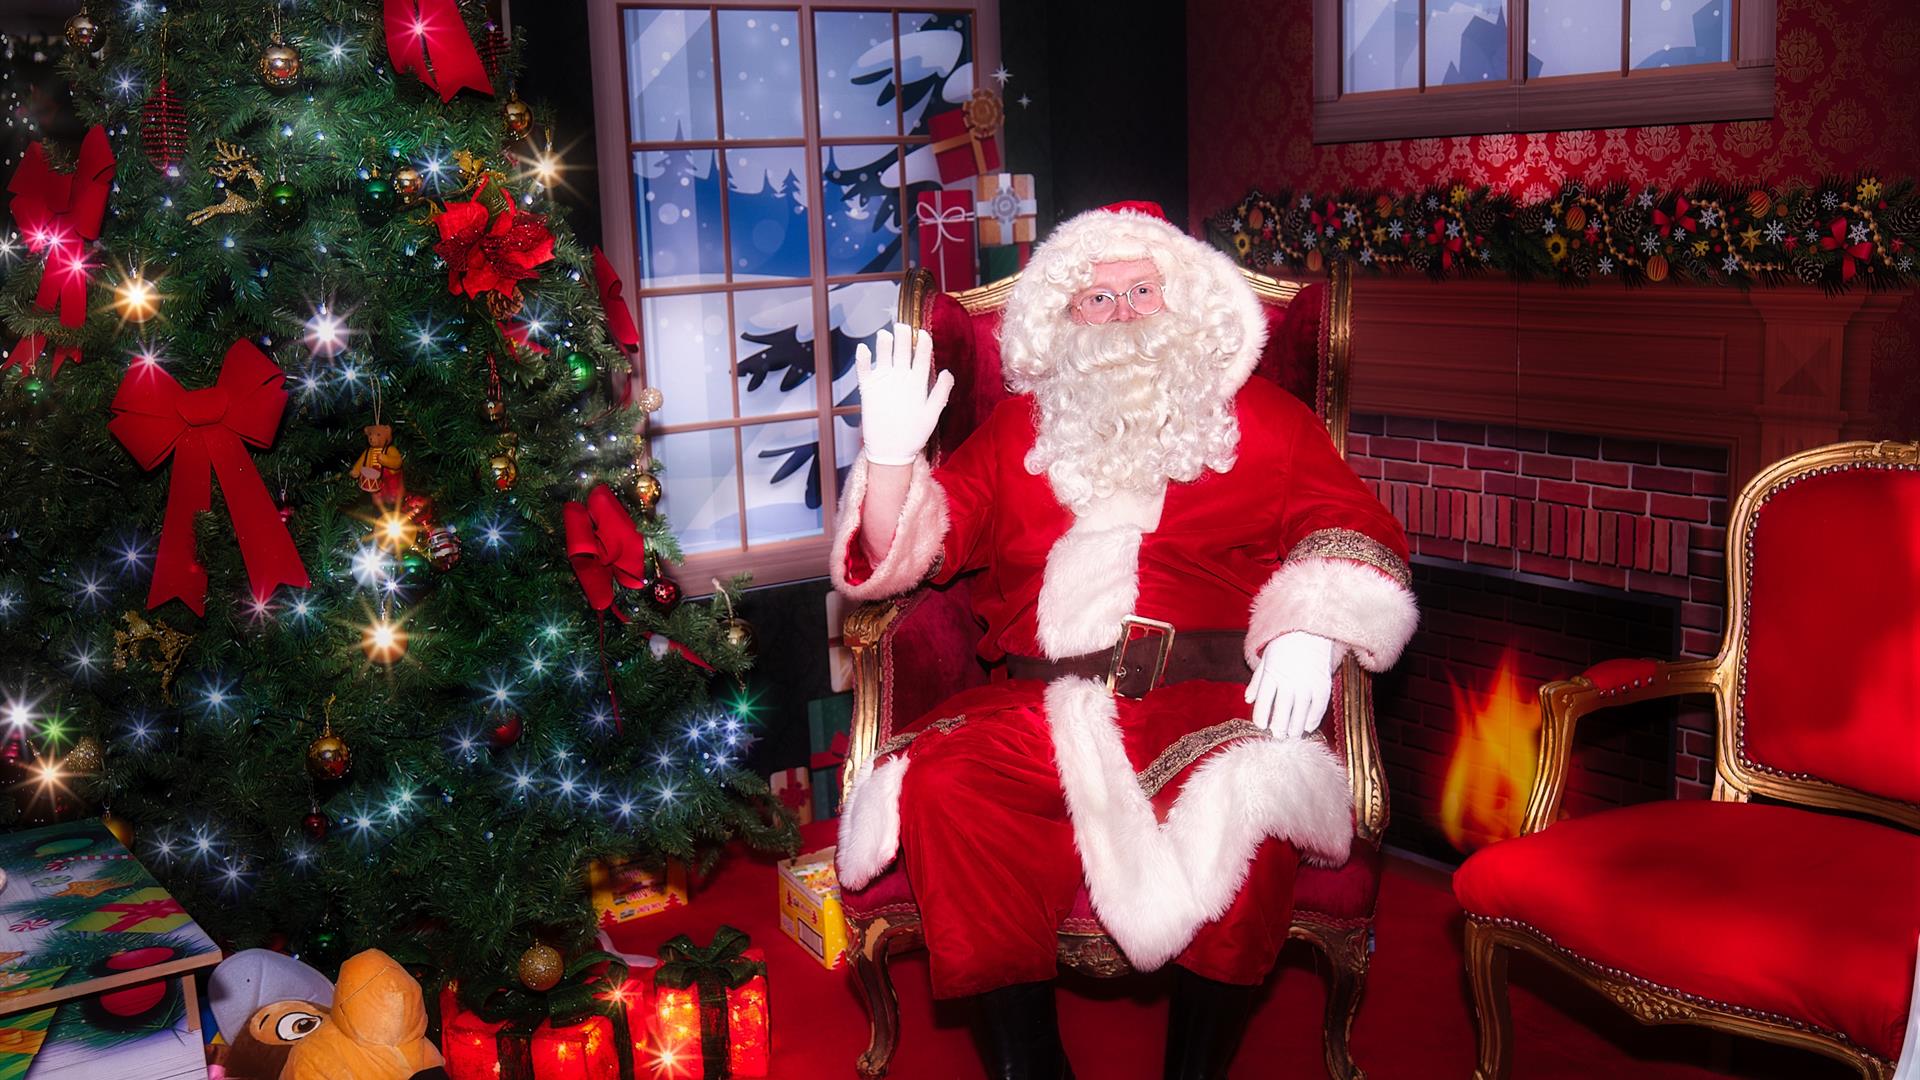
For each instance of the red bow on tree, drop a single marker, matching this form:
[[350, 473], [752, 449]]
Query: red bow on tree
[[1850, 254], [491, 252], [619, 319], [604, 546], [60, 213], [419, 29], [206, 432], [1679, 218], [27, 353]]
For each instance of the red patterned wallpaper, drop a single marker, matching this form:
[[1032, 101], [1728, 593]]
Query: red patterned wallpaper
[[1848, 100]]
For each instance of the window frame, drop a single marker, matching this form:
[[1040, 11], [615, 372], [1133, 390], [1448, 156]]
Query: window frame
[[1740, 88], [773, 562]]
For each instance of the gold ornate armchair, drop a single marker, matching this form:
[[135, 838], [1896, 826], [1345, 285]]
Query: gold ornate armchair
[[913, 652], [1781, 919]]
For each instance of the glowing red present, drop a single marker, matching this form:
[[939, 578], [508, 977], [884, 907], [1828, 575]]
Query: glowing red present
[[710, 1010], [601, 1046]]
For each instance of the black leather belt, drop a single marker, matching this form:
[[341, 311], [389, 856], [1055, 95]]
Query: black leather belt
[[1218, 655]]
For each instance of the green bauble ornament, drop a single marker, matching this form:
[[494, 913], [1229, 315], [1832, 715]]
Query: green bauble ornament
[[33, 386], [376, 200], [580, 369], [415, 563], [283, 203]]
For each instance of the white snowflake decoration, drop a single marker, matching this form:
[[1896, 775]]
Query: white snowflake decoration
[[1395, 229], [1829, 200], [1329, 230], [1906, 263], [1730, 264], [1776, 232], [1646, 199], [1366, 256], [1710, 216], [1858, 233], [1605, 265], [1650, 242], [1433, 202], [1548, 227], [1453, 230], [1679, 236], [1312, 239], [1351, 217], [1306, 202]]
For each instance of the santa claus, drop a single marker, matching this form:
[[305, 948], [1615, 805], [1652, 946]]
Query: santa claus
[[1171, 560]]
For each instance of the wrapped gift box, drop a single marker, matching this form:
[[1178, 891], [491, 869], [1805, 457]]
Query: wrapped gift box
[[599, 1047], [794, 790], [945, 223], [1006, 209], [829, 722], [729, 1016], [624, 890], [964, 144], [810, 906]]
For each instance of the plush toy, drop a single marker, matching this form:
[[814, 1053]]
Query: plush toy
[[264, 1002], [376, 1030], [378, 469]]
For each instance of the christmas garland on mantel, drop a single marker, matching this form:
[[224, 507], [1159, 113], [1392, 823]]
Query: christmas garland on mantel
[[1837, 234]]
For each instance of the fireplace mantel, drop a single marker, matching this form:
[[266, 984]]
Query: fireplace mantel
[[1763, 373]]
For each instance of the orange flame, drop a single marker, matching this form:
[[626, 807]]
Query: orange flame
[[1491, 774]]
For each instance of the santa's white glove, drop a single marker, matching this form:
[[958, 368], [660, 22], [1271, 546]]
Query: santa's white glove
[[1292, 684], [897, 408]]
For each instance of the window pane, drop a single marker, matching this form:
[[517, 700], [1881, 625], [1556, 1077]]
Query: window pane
[[700, 489], [936, 65], [1466, 41], [1670, 33], [783, 481], [669, 75], [856, 311], [679, 217], [861, 199], [760, 57], [1569, 37], [846, 446], [767, 213], [686, 342], [775, 347], [853, 53], [1382, 44]]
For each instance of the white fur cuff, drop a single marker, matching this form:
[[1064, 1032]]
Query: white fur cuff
[[1349, 602], [918, 537], [870, 823]]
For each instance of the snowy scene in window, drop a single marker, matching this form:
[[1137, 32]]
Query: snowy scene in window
[[669, 75], [1466, 42], [1673, 33], [1572, 37], [1381, 43]]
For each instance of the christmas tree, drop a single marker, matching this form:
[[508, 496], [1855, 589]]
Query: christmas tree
[[414, 669]]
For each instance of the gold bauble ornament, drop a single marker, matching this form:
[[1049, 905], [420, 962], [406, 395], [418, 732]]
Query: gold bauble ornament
[[737, 632], [408, 184], [82, 32], [279, 63], [505, 470], [516, 118], [120, 827], [86, 758], [650, 399], [647, 491], [1576, 218], [329, 757], [540, 968]]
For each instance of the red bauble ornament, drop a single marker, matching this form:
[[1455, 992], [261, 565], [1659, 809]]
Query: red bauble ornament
[[506, 732], [163, 128], [314, 825], [664, 594]]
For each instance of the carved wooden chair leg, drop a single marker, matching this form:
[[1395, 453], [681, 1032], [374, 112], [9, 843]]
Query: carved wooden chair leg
[[867, 955], [1347, 953], [1487, 975]]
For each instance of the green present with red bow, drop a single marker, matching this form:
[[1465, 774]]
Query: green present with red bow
[[710, 1009]]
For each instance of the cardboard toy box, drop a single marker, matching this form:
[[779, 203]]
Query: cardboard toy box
[[624, 890], [810, 906]]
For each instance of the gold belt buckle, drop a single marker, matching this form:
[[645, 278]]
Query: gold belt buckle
[[1117, 663]]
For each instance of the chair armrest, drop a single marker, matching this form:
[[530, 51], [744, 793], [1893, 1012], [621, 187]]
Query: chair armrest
[[930, 633], [1603, 686]]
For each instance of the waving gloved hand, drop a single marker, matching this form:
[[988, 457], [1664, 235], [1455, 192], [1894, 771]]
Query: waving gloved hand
[[1291, 684], [897, 408]]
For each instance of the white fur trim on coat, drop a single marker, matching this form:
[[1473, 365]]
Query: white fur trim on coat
[[1154, 884], [870, 823], [918, 537], [1093, 575], [1347, 601]]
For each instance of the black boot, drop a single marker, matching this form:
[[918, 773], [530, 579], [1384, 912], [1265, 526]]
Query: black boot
[[1020, 1034], [1205, 1020]]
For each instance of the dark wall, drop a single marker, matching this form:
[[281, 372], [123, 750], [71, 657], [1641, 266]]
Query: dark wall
[[559, 75]]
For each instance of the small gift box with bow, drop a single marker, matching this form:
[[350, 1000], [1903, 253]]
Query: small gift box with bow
[[810, 910], [794, 789], [625, 890], [1007, 210], [583, 1029], [965, 139], [829, 722], [710, 1011], [945, 223]]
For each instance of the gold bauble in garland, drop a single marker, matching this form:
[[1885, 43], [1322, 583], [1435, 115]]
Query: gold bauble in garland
[[737, 632], [82, 32], [328, 757], [516, 118], [540, 968], [647, 491], [279, 63], [1657, 268], [408, 184]]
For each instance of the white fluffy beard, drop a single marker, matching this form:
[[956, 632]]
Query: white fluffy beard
[[1129, 407]]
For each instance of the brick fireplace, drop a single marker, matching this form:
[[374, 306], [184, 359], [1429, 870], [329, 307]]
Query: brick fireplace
[[1562, 462]]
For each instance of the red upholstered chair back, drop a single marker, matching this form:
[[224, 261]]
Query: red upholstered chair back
[[1824, 658], [1306, 353]]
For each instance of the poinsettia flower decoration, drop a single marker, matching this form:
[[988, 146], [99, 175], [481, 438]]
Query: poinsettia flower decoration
[[487, 252]]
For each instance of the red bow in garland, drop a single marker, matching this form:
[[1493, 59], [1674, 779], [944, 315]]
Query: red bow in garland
[[605, 546], [491, 252], [1850, 254], [1449, 245], [206, 432], [26, 354], [61, 213], [1678, 219], [619, 319], [419, 29]]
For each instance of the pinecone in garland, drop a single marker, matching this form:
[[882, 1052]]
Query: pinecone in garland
[[1532, 220], [1628, 223], [1904, 220], [1421, 258], [163, 128], [1481, 219], [1805, 216], [1809, 268], [1295, 223], [1583, 262]]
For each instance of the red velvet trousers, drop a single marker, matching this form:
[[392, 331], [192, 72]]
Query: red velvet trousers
[[989, 846]]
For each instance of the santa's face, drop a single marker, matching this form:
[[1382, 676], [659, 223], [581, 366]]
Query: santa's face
[[1122, 290]]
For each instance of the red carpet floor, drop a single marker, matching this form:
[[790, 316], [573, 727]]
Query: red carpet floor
[[1416, 1020]]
